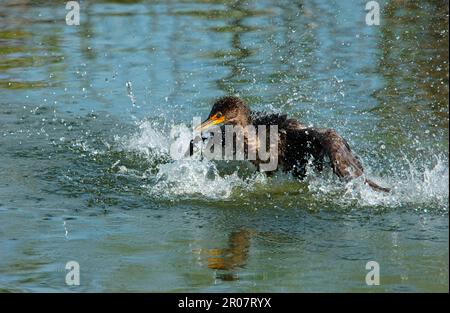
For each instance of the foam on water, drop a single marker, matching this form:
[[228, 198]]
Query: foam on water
[[418, 182]]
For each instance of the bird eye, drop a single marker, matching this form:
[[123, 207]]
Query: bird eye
[[219, 114]]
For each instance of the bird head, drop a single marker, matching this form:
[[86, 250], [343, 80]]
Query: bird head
[[229, 110]]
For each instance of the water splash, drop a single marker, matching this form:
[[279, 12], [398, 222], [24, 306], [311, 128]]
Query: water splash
[[413, 182], [178, 177], [149, 140], [418, 183], [196, 179], [130, 93]]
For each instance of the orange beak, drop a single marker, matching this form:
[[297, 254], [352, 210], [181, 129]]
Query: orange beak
[[212, 121]]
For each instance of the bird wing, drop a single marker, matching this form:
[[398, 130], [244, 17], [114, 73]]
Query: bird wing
[[343, 162], [320, 142]]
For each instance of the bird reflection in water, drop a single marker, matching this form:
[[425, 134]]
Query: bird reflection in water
[[235, 255]]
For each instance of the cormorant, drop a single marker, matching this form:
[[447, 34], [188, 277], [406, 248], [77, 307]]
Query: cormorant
[[297, 144]]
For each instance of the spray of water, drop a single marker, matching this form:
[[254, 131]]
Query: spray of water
[[414, 182]]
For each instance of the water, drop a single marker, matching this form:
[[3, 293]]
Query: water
[[88, 114]]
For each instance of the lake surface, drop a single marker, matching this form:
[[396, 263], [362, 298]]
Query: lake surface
[[88, 114]]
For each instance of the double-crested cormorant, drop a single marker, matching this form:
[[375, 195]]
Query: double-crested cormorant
[[297, 144]]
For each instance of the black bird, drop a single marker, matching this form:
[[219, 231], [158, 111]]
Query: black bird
[[297, 143]]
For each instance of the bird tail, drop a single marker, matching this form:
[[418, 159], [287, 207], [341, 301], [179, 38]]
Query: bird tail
[[375, 186]]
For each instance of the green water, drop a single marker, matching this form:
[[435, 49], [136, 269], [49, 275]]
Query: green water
[[85, 172]]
